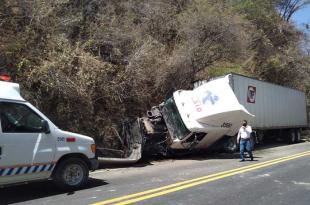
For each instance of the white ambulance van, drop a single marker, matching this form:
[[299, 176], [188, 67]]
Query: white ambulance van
[[33, 148]]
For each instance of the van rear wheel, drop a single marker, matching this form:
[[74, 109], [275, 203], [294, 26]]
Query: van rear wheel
[[71, 174]]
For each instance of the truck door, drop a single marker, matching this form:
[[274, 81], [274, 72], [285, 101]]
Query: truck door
[[26, 152]]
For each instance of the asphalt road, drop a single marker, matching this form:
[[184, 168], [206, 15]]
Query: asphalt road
[[280, 174]]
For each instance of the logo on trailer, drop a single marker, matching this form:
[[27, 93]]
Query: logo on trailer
[[251, 94]]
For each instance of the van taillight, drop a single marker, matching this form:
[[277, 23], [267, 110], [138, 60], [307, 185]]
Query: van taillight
[[70, 139], [5, 78]]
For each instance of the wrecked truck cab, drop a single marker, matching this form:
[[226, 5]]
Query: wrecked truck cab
[[199, 117], [175, 125], [190, 119]]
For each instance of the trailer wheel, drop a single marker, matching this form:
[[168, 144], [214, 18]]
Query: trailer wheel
[[260, 137], [71, 174], [298, 135], [253, 140], [292, 137]]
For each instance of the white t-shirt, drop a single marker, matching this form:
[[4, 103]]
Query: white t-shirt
[[245, 132]]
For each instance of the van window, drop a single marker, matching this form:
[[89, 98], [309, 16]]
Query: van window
[[19, 118]]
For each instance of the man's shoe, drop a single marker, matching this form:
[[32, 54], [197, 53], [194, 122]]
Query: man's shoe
[[252, 158], [242, 160]]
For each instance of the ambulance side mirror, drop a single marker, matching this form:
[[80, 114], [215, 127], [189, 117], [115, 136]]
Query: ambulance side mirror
[[45, 127]]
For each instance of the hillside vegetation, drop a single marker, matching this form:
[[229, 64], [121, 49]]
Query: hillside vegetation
[[91, 63]]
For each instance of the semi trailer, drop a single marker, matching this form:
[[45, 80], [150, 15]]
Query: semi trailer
[[211, 114]]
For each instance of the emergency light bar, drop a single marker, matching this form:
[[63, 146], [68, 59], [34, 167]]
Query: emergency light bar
[[5, 77]]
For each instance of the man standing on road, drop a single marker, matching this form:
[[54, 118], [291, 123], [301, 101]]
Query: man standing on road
[[244, 138]]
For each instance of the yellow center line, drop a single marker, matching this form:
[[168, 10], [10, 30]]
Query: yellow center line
[[194, 182], [201, 182]]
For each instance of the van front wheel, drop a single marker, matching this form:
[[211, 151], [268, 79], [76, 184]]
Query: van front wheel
[[71, 174]]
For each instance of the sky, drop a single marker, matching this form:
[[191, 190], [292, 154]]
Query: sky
[[302, 17]]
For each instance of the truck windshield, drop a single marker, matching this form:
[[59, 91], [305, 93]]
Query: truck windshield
[[173, 120]]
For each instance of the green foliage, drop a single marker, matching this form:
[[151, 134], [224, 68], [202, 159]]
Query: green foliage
[[220, 70]]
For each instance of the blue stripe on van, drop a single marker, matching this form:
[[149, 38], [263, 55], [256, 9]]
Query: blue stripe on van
[[1, 172], [19, 170], [11, 171]]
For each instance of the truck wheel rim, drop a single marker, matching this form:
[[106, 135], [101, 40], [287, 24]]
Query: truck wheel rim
[[298, 136], [292, 137], [73, 175]]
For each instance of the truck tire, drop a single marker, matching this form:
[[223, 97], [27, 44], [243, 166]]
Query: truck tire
[[253, 141], [291, 137], [71, 174], [231, 146], [260, 136], [298, 135]]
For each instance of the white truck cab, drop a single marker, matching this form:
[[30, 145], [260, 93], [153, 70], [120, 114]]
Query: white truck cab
[[33, 148]]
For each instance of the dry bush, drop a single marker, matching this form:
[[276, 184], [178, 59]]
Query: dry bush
[[90, 64]]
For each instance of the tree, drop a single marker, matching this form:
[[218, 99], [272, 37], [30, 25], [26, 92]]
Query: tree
[[288, 7], [306, 40]]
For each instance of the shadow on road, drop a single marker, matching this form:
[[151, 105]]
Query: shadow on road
[[141, 163], [198, 155], [272, 144], [203, 155], [36, 190]]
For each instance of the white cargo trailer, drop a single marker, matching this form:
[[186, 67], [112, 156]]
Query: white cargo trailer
[[278, 110], [274, 106]]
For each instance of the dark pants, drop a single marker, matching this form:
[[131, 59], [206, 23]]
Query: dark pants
[[245, 145]]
